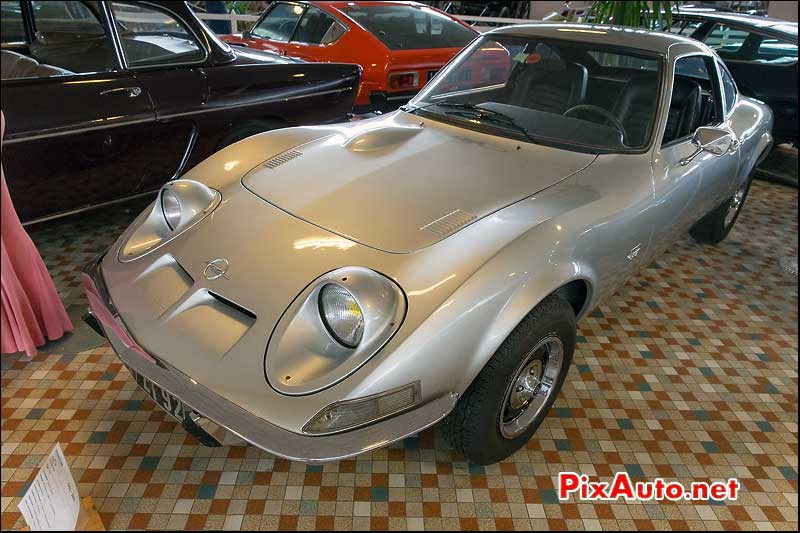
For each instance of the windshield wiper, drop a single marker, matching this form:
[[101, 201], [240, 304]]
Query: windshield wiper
[[481, 113], [452, 105]]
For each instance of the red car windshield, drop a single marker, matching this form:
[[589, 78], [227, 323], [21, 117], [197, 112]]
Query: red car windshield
[[402, 27]]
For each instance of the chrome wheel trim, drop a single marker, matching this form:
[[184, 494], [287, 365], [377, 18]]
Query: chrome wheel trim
[[735, 205], [531, 387]]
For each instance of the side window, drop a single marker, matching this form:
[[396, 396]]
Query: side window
[[69, 38], [13, 27], [279, 23], [729, 88], [726, 41], [677, 26], [59, 19], [334, 33], [776, 51], [683, 27], [696, 99], [150, 36], [492, 63], [317, 27], [690, 27]]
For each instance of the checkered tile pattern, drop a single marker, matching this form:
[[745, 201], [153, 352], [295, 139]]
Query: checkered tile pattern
[[67, 245], [688, 373]]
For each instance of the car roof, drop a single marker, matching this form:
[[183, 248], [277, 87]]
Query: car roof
[[651, 41], [338, 4], [340, 7], [742, 19]]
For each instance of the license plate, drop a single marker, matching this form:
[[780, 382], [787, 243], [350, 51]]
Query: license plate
[[431, 74], [164, 399]]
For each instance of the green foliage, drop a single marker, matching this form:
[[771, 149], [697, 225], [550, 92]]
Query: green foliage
[[653, 15]]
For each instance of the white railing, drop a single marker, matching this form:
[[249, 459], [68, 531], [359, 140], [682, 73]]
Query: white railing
[[241, 22], [233, 18]]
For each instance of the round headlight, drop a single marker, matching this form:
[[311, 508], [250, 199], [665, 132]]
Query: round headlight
[[171, 207], [341, 315]]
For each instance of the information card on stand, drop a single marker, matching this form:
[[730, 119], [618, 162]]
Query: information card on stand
[[52, 503]]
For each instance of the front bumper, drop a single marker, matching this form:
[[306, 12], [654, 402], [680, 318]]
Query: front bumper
[[209, 405]]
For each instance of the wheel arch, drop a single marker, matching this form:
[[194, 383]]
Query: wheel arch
[[574, 281], [461, 333], [529, 264], [577, 293]]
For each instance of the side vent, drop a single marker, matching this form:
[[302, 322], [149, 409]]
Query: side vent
[[450, 223], [280, 159]]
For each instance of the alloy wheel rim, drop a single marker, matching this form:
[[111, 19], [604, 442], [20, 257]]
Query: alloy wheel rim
[[532, 386], [735, 205]]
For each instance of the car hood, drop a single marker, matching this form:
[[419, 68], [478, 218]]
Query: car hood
[[400, 183]]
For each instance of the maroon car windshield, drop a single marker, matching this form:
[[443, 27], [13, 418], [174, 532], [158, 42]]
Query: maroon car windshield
[[402, 27]]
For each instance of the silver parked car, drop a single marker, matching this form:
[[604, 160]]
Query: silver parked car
[[323, 291]]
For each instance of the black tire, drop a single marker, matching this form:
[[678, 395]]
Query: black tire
[[474, 426], [247, 128], [713, 227]]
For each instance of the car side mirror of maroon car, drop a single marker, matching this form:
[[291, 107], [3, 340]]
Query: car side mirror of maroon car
[[246, 35], [715, 141]]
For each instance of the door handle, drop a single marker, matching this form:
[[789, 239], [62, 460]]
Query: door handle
[[132, 92]]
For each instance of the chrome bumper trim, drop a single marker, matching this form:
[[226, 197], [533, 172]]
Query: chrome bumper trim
[[255, 430]]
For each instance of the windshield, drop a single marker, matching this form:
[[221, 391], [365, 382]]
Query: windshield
[[575, 95], [405, 27]]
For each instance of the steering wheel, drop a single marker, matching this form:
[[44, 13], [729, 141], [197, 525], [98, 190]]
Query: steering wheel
[[607, 116]]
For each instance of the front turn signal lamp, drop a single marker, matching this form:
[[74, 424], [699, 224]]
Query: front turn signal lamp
[[352, 414]]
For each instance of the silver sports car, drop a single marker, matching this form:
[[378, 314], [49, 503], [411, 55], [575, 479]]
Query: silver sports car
[[324, 291]]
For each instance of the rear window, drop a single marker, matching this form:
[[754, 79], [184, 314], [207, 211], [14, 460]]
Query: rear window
[[615, 60], [410, 28]]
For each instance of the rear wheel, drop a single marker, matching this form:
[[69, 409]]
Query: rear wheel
[[247, 128], [716, 225], [511, 396]]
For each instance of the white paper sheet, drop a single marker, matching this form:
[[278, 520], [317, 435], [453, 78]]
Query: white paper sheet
[[52, 502]]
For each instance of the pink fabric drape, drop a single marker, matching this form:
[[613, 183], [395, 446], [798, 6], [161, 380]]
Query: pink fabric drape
[[31, 309]]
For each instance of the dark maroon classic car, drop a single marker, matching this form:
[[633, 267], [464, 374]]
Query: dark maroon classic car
[[105, 101]]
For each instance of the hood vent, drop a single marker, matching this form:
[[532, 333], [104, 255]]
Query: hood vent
[[280, 159], [449, 224]]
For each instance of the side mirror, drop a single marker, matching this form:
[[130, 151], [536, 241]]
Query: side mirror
[[715, 141], [246, 35]]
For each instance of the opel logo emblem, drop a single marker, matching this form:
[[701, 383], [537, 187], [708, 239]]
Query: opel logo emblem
[[218, 268]]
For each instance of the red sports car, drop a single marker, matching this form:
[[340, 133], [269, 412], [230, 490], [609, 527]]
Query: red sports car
[[400, 45]]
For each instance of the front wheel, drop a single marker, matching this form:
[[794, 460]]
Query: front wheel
[[511, 396], [716, 225]]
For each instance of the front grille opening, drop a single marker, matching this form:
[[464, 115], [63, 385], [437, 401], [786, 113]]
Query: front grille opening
[[221, 299]]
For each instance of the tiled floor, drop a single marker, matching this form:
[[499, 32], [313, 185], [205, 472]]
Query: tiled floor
[[689, 373]]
